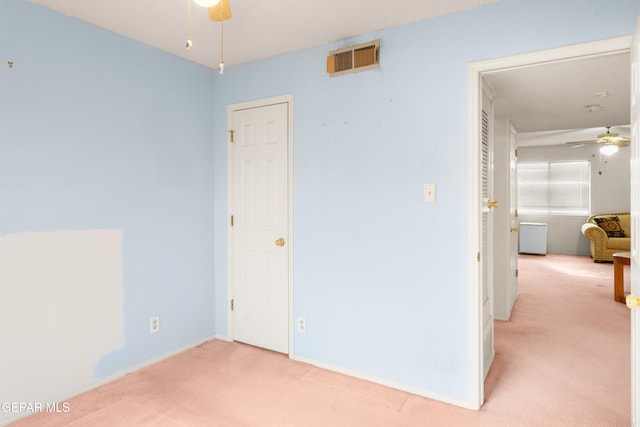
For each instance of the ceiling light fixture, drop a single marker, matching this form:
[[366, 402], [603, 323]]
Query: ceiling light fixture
[[207, 3], [203, 3], [219, 10], [609, 149]]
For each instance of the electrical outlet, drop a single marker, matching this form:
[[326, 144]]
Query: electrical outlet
[[154, 324], [302, 325]]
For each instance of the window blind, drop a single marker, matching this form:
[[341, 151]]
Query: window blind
[[554, 188]]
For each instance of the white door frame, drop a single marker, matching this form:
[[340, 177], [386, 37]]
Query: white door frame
[[474, 75], [288, 99], [635, 224]]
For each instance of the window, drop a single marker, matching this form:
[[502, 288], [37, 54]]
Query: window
[[554, 188]]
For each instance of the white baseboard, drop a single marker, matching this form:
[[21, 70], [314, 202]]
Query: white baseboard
[[371, 378], [223, 338], [386, 382], [374, 379], [113, 377]]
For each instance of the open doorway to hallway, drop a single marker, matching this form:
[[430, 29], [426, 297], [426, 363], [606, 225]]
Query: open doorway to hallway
[[556, 111], [509, 69]]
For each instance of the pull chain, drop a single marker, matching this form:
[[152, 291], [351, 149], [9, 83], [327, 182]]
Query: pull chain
[[189, 42], [221, 65]]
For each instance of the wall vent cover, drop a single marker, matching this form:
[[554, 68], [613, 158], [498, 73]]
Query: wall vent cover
[[352, 59]]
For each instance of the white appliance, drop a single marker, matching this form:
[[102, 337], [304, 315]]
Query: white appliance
[[533, 238]]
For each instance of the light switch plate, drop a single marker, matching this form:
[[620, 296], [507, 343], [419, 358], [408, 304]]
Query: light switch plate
[[430, 193]]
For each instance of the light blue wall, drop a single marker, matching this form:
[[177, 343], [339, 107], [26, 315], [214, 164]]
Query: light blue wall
[[381, 277], [99, 132]]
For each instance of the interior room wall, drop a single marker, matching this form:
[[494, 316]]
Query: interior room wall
[[72, 281], [610, 192], [378, 274], [99, 133]]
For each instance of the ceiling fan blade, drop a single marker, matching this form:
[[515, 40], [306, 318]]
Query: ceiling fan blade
[[221, 11], [609, 138], [581, 143], [616, 140], [622, 142]]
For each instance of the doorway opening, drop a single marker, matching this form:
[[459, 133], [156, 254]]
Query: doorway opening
[[476, 72]]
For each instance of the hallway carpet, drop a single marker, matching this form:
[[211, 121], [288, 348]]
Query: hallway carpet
[[562, 360]]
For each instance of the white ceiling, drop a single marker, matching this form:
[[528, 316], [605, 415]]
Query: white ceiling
[[553, 96], [541, 98], [258, 29]]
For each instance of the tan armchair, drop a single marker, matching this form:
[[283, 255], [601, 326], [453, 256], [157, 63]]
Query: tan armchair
[[608, 233]]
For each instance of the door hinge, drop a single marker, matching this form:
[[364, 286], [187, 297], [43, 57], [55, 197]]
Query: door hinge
[[478, 256], [231, 136], [516, 272], [232, 220], [231, 304], [516, 152]]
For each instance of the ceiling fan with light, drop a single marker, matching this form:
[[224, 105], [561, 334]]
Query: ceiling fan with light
[[610, 141], [219, 10]]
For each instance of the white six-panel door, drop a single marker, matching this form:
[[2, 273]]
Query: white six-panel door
[[259, 233]]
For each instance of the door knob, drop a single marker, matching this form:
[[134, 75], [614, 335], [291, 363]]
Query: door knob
[[492, 203], [632, 301], [280, 242], [514, 229]]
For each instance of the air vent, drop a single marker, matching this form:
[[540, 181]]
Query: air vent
[[361, 57]]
